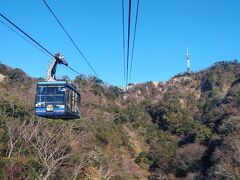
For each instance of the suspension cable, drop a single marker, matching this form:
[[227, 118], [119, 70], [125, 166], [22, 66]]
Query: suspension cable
[[74, 70], [128, 45], [27, 35], [124, 48], [27, 40], [40, 47], [73, 42], [134, 38]]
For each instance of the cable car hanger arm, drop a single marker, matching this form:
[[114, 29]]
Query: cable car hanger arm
[[51, 72]]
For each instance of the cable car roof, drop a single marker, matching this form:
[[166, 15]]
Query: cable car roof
[[53, 82]]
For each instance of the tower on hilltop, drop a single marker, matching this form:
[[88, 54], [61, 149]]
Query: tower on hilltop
[[188, 62]]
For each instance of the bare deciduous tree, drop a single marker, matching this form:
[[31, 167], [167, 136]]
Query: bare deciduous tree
[[85, 161], [15, 131], [51, 144], [110, 168]]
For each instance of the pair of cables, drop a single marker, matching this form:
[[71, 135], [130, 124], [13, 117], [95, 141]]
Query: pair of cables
[[128, 61], [29, 39], [40, 47]]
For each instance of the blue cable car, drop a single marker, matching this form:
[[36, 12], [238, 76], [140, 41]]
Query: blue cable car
[[57, 99]]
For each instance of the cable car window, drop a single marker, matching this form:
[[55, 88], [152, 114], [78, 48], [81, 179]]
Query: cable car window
[[59, 99], [40, 98], [41, 90], [50, 99], [74, 101], [51, 90], [55, 100], [55, 95], [60, 90]]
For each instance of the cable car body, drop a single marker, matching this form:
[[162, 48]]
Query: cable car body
[[57, 99]]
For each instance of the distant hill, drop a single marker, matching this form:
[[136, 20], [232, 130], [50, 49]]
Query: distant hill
[[185, 128]]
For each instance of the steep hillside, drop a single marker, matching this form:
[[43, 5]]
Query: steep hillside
[[199, 114], [185, 128]]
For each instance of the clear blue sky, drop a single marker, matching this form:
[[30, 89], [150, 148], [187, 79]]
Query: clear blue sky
[[209, 28]]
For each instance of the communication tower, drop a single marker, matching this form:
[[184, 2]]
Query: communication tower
[[188, 62]]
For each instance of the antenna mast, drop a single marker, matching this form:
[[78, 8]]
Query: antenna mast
[[188, 62]]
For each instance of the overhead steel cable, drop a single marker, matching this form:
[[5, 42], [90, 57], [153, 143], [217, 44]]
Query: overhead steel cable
[[74, 70], [30, 42], [75, 45], [47, 52], [134, 38], [26, 35], [124, 48], [129, 30]]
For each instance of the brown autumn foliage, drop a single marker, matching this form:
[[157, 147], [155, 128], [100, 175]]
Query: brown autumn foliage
[[186, 128]]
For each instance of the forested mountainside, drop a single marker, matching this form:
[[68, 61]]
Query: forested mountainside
[[185, 128]]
